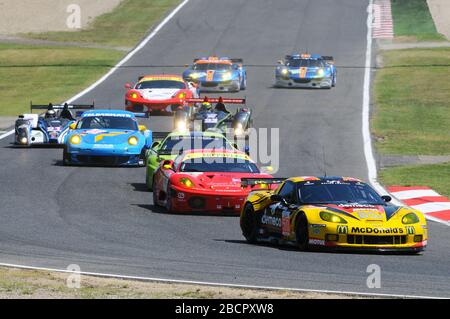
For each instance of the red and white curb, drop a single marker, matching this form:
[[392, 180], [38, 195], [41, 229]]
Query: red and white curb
[[382, 26], [433, 205]]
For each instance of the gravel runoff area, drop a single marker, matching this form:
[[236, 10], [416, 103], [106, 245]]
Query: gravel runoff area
[[440, 11], [22, 16]]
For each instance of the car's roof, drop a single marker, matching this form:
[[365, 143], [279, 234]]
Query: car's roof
[[108, 112], [323, 178], [153, 77]]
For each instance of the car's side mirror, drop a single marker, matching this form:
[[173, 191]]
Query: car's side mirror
[[386, 198], [168, 165], [155, 144], [280, 62], [72, 126], [278, 198], [128, 85]]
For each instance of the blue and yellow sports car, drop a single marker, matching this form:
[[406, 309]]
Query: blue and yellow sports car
[[306, 70], [217, 74], [107, 137]]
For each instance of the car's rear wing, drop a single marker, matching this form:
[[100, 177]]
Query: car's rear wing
[[261, 181], [328, 59], [141, 114], [216, 100], [61, 106]]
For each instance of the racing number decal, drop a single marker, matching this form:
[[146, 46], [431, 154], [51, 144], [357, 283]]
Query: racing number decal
[[209, 75], [302, 72], [286, 222]]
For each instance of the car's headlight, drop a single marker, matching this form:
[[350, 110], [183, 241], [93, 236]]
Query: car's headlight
[[181, 126], [320, 72], [23, 140], [134, 95], [186, 182], [133, 140], [332, 218], [75, 139], [182, 95], [239, 130], [284, 71], [410, 218], [227, 75]]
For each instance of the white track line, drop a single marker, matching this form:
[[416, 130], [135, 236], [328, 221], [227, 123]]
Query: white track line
[[121, 62], [217, 284], [367, 139]]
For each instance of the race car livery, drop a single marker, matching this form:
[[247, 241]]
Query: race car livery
[[48, 128], [330, 212], [175, 143], [306, 70], [214, 74], [163, 93], [217, 118], [204, 181], [107, 137]]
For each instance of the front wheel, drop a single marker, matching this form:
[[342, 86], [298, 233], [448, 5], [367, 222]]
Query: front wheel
[[65, 157], [301, 232], [168, 206], [244, 83], [250, 224]]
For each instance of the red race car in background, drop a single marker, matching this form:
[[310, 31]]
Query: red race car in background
[[206, 180], [163, 93]]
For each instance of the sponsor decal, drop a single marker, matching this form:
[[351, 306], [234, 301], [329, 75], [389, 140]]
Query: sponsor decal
[[286, 223], [271, 220], [370, 230], [319, 242], [315, 228], [373, 214], [342, 229], [180, 195], [410, 230], [355, 205], [101, 136], [216, 154], [107, 114]]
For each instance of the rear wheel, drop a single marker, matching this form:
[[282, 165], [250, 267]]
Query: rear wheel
[[169, 209], [155, 194], [250, 224], [301, 232]]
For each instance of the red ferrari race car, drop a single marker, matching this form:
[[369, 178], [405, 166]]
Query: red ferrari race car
[[206, 180], [164, 93]]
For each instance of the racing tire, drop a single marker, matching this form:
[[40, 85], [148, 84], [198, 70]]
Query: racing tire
[[244, 83], [168, 205], [250, 224], [148, 185], [334, 81], [65, 160], [301, 232], [155, 201]]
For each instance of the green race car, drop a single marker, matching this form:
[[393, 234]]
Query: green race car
[[177, 142]]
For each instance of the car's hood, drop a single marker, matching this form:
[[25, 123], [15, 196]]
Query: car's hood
[[363, 211], [106, 136], [158, 94]]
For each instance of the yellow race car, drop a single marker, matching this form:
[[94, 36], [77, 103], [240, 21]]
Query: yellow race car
[[329, 212]]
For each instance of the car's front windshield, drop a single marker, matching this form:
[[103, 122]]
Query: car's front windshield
[[212, 66], [108, 122], [337, 192], [218, 164], [177, 144], [305, 63], [160, 84]]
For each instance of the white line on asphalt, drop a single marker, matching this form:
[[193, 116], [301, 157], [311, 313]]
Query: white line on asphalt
[[217, 284], [124, 60], [367, 139], [129, 55]]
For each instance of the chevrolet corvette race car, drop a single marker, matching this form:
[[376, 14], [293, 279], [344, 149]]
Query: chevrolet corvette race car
[[333, 212], [204, 181], [107, 137], [217, 119], [177, 142], [163, 93], [306, 70], [217, 74], [49, 128]]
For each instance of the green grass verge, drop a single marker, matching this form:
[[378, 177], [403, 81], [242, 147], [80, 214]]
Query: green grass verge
[[436, 176], [124, 26], [412, 94], [413, 19], [47, 74]]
